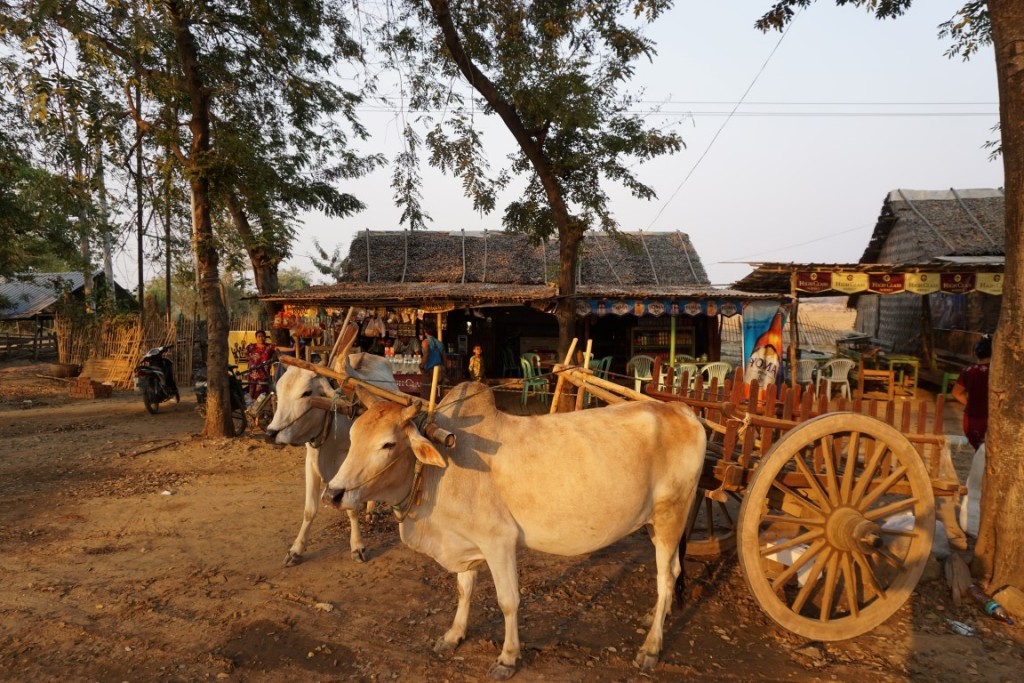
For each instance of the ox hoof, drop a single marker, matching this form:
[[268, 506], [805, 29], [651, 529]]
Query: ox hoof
[[359, 554], [646, 661], [292, 559], [502, 672], [443, 645]]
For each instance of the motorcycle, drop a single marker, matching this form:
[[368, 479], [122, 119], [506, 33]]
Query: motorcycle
[[154, 379], [238, 414], [260, 412]]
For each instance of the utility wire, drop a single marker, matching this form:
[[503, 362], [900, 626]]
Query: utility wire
[[724, 123]]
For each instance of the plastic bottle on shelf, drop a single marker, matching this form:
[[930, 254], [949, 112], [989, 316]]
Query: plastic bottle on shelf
[[988, 605]]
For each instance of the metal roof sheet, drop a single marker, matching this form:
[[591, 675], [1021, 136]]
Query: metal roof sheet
[[36, 293]]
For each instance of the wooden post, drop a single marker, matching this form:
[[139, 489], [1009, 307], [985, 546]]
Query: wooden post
[[433, 390], [794, 329], [561, 379], [586, 365]]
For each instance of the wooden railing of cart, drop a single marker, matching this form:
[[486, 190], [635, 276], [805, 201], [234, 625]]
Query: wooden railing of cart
[[744, 420]]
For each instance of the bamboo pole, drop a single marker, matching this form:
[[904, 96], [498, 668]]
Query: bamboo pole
[[561, 380], [348, 384], [431, 430], [576, 377], [341, 336]]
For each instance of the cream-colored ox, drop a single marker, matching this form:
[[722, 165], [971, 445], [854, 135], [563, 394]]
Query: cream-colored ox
[[565, 484], [296, 422]]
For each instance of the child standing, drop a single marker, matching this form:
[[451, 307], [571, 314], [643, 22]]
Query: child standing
[[476, 364]]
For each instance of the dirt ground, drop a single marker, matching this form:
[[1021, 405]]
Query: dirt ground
[[132, 550]]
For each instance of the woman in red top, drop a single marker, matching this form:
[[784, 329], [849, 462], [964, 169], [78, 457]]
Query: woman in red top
[[258, 356], [971, 389]]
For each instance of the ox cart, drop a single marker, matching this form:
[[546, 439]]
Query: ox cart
[[831, 505]]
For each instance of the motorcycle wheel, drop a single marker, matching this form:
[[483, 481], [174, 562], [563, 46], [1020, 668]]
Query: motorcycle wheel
[[150, 396]]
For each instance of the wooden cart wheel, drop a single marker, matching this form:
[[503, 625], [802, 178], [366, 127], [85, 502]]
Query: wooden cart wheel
[[712, 529], [836, 526]]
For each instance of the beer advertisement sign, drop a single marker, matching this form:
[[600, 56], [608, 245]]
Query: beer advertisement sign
[[956, 283], [885, 283], [813, 281], [762, 342], [921, 283], [849, 283], [989, 283]]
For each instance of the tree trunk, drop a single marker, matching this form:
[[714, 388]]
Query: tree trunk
[[218, 414], [998, 560], [264, 263]]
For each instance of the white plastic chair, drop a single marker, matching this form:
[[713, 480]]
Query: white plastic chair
[[689, 369], [805, 371], [641, 366], [717, 370], [836, 372]]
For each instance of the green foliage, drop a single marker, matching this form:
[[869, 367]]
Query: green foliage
[[35, 232], [782, 12], [331, 264], [292, 279], [553, 72]]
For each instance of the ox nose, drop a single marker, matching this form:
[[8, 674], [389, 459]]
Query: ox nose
[[334, 496], [271, 436]]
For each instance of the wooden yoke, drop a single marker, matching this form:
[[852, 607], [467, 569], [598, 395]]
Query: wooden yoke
[[349, 384]]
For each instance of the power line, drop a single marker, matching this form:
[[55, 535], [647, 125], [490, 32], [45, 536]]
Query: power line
[[724, 123], [792, 246]]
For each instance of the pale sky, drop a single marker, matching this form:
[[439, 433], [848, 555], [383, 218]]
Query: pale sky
[[804, 183]]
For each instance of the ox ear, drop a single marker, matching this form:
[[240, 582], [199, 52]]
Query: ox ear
[[423, 449], [366, 398]]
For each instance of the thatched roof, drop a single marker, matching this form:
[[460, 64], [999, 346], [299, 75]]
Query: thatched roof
[[500, 258], [481, 268], [918, 225]]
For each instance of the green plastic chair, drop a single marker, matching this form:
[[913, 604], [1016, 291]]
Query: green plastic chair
[[532, 383]]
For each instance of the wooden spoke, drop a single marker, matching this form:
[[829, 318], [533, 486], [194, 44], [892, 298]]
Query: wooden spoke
[[728, 516], [828, 453], [867, 573], [850, 585], [869, 471], [812, 481], [790, 571], [789, 519], [882, 488], [811, 580], [805, 502], [793, 542], [712, 527], [852, 451], [892, 559], [890, 509], [832, 577]]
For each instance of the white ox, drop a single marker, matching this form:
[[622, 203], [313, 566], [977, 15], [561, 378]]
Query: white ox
[[564, 484], [296, 422]]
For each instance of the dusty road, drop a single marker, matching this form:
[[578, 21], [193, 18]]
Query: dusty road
[[132, 551]]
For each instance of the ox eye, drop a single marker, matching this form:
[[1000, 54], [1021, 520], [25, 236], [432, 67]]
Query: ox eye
[[388, 446], [307, 394]]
